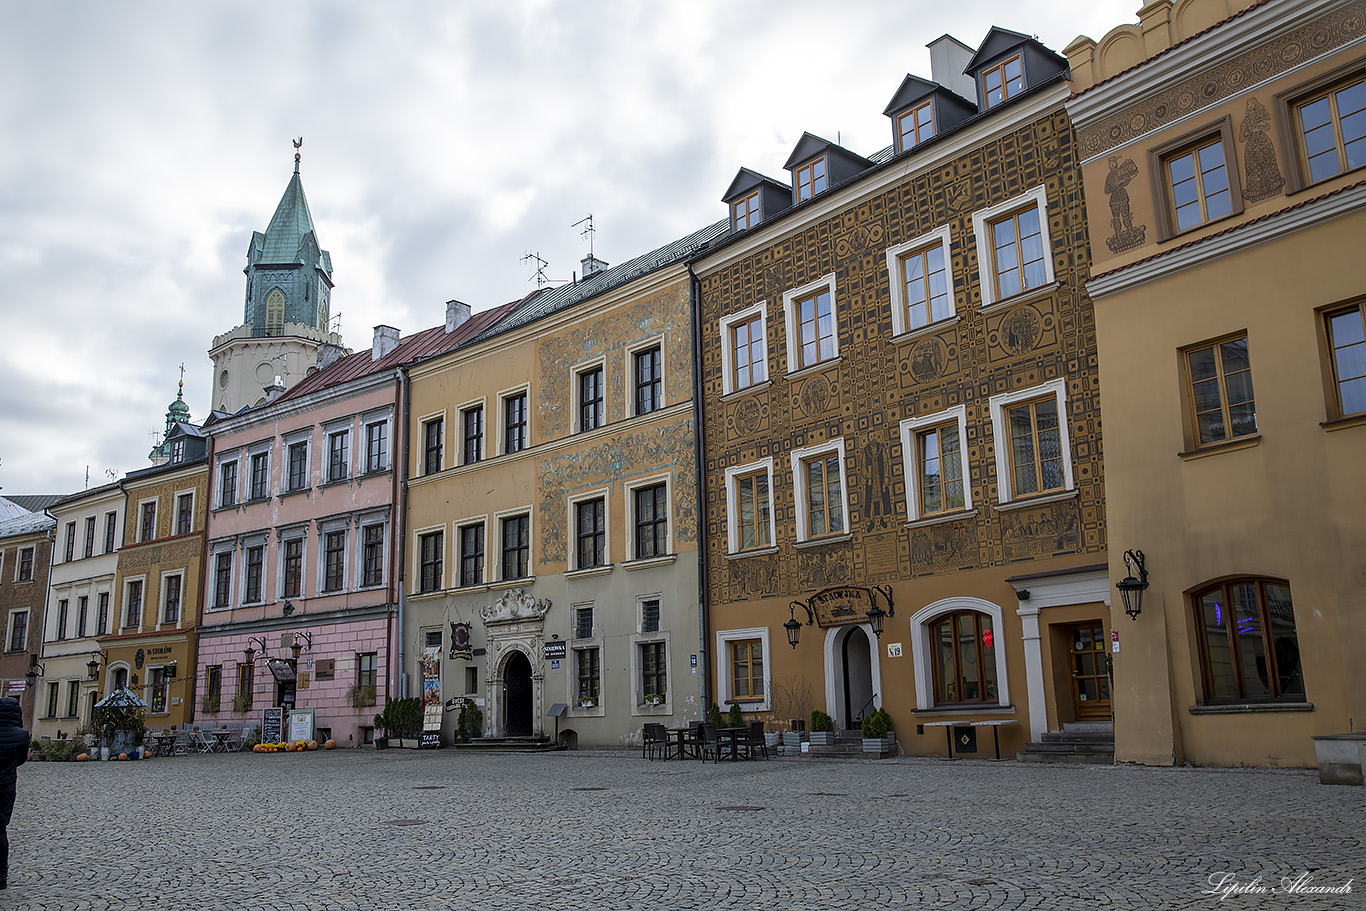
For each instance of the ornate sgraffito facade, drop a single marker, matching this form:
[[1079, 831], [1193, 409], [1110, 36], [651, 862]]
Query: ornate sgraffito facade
[[1227, 340], [862, 409]]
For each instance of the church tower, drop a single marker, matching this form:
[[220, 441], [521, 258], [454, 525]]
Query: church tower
[[286, 313]]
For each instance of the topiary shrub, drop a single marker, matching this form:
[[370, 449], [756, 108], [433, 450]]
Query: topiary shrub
[[714, 715], [876, 724], [820, 721], [735, 717]]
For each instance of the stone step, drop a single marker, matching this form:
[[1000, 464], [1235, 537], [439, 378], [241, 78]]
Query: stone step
[[508, 745], [1088, 726], [1054, 747], [1086, 751], [1078, 737], [1067, 758]]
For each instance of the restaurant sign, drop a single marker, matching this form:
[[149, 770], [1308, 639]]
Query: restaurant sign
[[842, 606]]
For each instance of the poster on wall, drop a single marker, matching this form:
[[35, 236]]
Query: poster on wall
[[301, 724], [431, 695]]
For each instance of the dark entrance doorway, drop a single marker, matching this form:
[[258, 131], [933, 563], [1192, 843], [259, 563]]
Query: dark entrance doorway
[[517, 695], [1090, 672], [858, 677]]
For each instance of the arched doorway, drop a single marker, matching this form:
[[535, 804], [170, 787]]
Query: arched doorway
[[856, 658], [517, 696]]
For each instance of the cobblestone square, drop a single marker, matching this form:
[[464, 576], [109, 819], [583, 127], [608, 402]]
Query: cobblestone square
[[609, 830]]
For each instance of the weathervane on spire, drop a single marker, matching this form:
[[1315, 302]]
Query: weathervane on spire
[[298, 143]]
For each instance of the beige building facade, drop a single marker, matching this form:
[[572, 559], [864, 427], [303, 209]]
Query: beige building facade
[[1223, 148]]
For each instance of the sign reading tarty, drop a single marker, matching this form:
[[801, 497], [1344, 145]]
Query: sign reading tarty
[[841, 606]]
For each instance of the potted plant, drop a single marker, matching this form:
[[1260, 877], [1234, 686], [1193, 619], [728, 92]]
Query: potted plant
[[654, 699], [877, 732], [241, 703], [361, 695], [408, 722], [735, 718], [209, 704], [714, 715], [588, 702], [822, 729], [385, 725]]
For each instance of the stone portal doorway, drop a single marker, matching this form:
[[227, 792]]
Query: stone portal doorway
[[517, 696]]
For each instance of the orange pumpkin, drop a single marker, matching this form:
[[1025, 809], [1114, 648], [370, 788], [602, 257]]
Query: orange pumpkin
[[83, 757], [123, 755], [330, 745], [313, 744]]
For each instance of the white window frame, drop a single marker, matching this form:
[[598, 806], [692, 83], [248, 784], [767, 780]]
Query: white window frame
[[463, 408], [9, 630], [459, 527], [262, 542], [497, 519], [304, 436], [723, 682], [344, 427], [631, 487], [236, 460], [418, 534], [283, 536], [793, 324], [261, 447], [368, 419], [986, 253], [654, 341], [1000, 433], [326, 528], [364, 521], [598, 363], [733, 508], [420, 450], [156, 508], [123, 606], [799, 492], [503, 396], [911, 463], [940, 237], [227, 546], [727, 351], [597, 493], [921, 656], [161, 600]]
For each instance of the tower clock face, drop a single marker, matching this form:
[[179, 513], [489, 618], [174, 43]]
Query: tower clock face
[[223, 380]]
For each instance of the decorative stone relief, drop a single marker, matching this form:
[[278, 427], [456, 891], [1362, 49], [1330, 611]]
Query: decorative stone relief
[[516, 604], [1127, 235], [1263, 172]]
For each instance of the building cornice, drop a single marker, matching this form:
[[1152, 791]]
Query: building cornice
[[272, 413], [296, 621], [1227, 243]]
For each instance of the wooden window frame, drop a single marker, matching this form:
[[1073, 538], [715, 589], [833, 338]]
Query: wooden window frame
[[376, 446], [147, 518], [1000, 407], [940, 239], [735, 527], [1235, 653], [433, 443], [647, 388], [916, 129], [292, 568], [593, 542], [172, 597], [590, 397], [372, 554], [802, 460], [1289, 130], [745, 209], [1332, 382], [89, 536], [184, 513], [805, 176], [651, 538], [472, 433], [981, 621], [222, 579], [227, 484], [588, 672], [1006, 95], [792, 302], [70, 554], [983, 221], [253, 573], [913, 431], [334, 560], [472, 555], [1164, 206], [134, 591], [515, 425], [259, 485], [338, 455], [1188, 393], [751, 678], [296, 463], [431, 546], [519, 552], [749, 318]]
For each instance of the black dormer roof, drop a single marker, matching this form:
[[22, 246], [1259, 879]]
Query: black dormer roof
[[997, 43], [950, 109], [1040, 64], [913, 90], [840, 163], [746, 181]]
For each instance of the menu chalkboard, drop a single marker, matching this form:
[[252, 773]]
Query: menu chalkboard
[[272, 725]]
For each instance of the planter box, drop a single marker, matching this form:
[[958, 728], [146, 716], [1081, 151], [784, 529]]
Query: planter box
[[772, 739], [410, 743], [879, 744], [821, 738], [1341, 757], [792, 740]]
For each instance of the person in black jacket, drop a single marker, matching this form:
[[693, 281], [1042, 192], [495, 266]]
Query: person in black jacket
[[14, 743]]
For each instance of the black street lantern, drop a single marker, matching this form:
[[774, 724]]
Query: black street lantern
[[93, 666], [249, 653], [35, 670], [794, 630], [1131, 589], [876, 617]]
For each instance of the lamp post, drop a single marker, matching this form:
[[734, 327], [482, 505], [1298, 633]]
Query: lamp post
[[1131, 589], [793, 625], [35, 670]]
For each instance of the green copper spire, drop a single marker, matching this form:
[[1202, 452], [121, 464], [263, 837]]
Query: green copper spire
[[177, 412], [290, 225]]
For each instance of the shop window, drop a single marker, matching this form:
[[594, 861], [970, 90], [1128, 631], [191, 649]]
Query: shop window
[[1249, 650]]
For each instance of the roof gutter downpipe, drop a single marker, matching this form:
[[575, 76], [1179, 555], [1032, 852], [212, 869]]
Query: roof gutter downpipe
[[699, 452]]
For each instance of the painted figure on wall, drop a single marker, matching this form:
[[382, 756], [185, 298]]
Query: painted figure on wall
[[1126, 236], [1259, 155]]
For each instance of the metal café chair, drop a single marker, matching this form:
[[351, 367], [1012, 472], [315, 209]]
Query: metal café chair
[[752, 744], [710, 742]]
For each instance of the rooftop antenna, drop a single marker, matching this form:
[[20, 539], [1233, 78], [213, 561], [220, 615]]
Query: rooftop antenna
[[587, 232], [334, 324], [541, 278], [111, 473], [87, 477]]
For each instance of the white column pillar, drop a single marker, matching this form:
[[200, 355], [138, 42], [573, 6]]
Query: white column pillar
[[1033, 653]]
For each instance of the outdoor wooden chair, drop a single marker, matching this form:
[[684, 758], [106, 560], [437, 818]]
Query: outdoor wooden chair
[[710, 743], [752, 744], [655, 741]]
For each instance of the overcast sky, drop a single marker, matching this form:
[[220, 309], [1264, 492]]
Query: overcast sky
[[141, 143]]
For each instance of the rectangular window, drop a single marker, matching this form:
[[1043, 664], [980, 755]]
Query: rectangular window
[[53, 690], [372, 556], [649, 616], [70, 541], [924, 286], [516, 547], [246, 685], [334, 560], [90, 536], [184, 522], [62, 610], [1003, 81], [653, 670], [1220, 390], [260, 464], [251, 590], [1249, 648], [1332, 129], [431, 554], [514, 422], [367, 669], [25, 565], [18, 632], [1017, 253], [147, 524], [133, 608], [749, 506], [170, 608], [963, 658], [472, 554], [810, 179], [213, 687], [1036, 454], [298, 466], [338, 455], [824, 495], [111, 529], [73, 698], [915, 126], [102, 614], [749, 351], [932, 447], [590, 522], [376, 446], [1197, 179], [744, 213], [433, 436], [815, 319], [583, 623], [747, 670], [589, 672], [590, 399], [82, 614], [294, 567], [649, 380], [652, 521], [472, 420], [471, 681], [1347, 352], [227, 484], [222, 579], [177, 452]]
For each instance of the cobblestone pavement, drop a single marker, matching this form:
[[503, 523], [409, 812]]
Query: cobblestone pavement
[[608, 830]]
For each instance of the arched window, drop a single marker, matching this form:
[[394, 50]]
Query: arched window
[[275, 311], [120, 678], [1248, 648], [963, 653]]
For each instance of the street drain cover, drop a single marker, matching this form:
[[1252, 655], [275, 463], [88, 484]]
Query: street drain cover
[[429, 787], [588, 789], [406, 822], [741, 808]]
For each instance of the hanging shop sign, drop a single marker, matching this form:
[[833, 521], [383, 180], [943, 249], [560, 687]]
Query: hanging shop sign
[[460, 641], [555, 650]]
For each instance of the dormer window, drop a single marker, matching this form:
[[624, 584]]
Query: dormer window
[[177, 451], [1003, 81], [915, 126], [744, 213], [810, 179]]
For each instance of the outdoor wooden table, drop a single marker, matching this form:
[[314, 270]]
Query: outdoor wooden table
[[680, 743], [161, 743], [220, 741], [730, 740]]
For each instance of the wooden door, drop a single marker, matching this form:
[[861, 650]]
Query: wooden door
[[1090, 672]]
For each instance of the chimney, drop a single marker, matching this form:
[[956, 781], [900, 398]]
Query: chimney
[[592, 265], [948, 58], [275, 390], [386, 340], [329, 354], [456, 314]]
